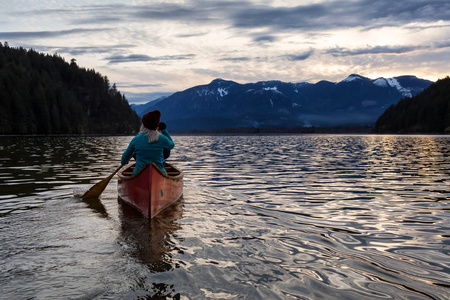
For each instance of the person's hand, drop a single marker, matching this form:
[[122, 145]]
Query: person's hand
[[162, 126]]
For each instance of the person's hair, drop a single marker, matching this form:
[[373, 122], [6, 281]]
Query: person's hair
[[151, 134]]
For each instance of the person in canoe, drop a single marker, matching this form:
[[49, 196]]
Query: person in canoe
[[149, 144]]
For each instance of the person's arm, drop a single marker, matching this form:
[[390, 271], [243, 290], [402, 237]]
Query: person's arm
[[126, 156], [167, 140], [163, 129]]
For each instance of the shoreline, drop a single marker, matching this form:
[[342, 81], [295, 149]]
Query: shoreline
[[368, 130]]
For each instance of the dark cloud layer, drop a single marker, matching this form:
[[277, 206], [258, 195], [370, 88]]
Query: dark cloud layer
[[143, 58], [308, 18], [247, 14], [325, 15], [339, 51], [373, 50], [88, 50], [47, 34], [343, 14], [299, 56], [235, 59], [265, 38]]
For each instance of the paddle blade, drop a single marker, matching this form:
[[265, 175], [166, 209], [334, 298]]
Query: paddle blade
[[98, 188]]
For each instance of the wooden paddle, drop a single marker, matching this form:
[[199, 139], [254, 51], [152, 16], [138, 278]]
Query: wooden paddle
[[98, 188]]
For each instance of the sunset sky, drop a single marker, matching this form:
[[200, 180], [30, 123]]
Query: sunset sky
[[149, 48]]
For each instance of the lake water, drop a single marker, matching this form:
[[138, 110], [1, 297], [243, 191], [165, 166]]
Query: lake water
[[262, 217]]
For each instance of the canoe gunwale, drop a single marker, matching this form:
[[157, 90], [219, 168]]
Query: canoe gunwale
[[131, 177]]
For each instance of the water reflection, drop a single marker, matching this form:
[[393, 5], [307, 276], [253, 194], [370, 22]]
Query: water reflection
[[150, 242], [273, 217], [36, 164], [97, 206]]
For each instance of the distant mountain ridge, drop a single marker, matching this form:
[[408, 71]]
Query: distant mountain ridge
[[141, 109], [356, 100]]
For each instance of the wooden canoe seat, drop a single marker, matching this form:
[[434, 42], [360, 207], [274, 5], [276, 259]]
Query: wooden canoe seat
[[173, 173]]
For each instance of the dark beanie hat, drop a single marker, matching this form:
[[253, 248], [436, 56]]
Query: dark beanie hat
[[151, 119]]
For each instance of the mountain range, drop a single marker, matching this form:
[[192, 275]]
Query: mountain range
[[356, 100]]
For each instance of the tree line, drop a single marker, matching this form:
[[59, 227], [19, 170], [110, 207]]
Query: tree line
[[44, 94], [427, 112]]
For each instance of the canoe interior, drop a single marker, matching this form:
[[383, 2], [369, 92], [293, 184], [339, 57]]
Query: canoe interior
[[170, 169], [150, 190]]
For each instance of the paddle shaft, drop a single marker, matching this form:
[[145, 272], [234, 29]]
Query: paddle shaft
[[98, 188]]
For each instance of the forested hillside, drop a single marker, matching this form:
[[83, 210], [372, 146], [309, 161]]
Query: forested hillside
[[428, 112], [44, 94]]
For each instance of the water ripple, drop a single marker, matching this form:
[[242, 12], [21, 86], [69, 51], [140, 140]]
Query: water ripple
[[262, 217]]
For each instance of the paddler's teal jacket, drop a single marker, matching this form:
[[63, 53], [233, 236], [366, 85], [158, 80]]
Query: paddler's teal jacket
[[146, 152]]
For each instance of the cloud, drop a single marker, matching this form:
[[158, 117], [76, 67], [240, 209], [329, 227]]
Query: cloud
[[97, 20], [47, 34], [203, 11], [427, 26], [373, 50], [339, 51], [235, 59], [265, 38], [115, 59], [237, 39], [290, 57], [80, 50], [81, 14], [279, 17], [188, 35], [342, 14], [328, 15], [300, 56], [441, 45], [167, 11]]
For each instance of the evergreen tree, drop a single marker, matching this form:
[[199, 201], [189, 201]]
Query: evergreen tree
[[43, 94], [428, 112]]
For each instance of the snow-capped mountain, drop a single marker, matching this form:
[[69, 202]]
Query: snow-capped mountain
[[356, 100], [406, 85]]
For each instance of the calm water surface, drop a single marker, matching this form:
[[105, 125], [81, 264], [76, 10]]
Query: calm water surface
[[262, 217]]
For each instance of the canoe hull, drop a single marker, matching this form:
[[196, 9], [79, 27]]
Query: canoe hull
[[150, 190]]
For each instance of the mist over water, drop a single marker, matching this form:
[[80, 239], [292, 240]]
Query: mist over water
[[262, 217]]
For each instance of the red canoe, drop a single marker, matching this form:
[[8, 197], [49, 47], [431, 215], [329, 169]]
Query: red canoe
[[150, 190]]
